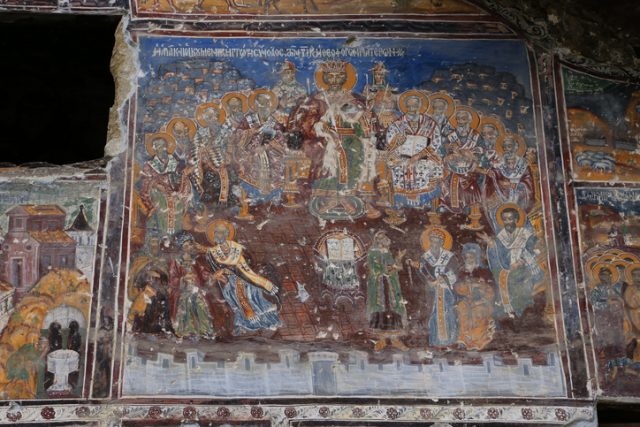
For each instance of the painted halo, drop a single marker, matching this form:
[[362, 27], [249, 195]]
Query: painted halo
[[595, 271], [614, 251], [227, 97], [620, 264], [497, 123], [352, 78], [191, 126], [451, 105], [627, 257], [200, 109], [627, 271], [272, 96], [522, 146], [150, 137], [442, 232], [475, 117], [522, 216], [413, 93], [212, 227]]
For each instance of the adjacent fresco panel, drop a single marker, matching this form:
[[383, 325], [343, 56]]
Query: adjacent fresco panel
[[310, 218], [610, 253], [225, 9], [47, 263], [604, 128]]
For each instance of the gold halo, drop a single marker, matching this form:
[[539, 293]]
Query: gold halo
[[148, 142], [620, 263], [263, 91], [627, 257], [475, 117], [614, 251], [352, 78], [212, 226], [191, 126], [522, 146], [497, 123], [409, 93], [606, 258], [595, 271], [590, 263], [227, 97], [222, 115], [451, 104], [522, 216], [426, 244], [628, 270]]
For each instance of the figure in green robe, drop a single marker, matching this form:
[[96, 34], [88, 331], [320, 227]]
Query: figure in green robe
[[385, 306]]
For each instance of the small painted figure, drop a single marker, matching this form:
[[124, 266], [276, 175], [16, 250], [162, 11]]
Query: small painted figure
[[192, 315], [438, 267], [606, 300], [441, 109], [631, 297], [385, 305], [513, 260], [164, 191], [342, 126], [475, 290], [242, 288], [413, 149], [288, 91], [260, 157], [461, 189], [510, 179], [211, 176], [149, 312]]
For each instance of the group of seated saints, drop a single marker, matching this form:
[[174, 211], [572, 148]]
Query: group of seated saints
[[342, 154]]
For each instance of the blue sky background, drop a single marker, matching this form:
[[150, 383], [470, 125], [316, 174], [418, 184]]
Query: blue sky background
[[421, 59]]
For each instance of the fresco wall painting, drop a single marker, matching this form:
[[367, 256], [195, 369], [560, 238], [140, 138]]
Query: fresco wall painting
[[339, 225], [602, 117], [304, 225], [47, 264]]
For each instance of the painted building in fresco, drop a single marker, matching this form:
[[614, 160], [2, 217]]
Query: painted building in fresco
[[34, 244]]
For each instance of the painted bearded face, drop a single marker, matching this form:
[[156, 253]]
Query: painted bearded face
[[180, 131], [510, 220], [334, 79], [605, 276], [464, 119], [490, 134], [413, 105], [439, 107], [160, 147], [211, 115], [263, 102], [436, 243], [220, 234], [235, 106], [509, 146]]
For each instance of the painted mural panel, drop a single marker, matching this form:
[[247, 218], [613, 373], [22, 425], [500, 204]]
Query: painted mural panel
[[224, 9], [48, 248], [321, 217], [604, 128], [610, 248]]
